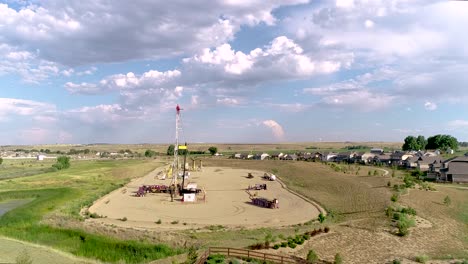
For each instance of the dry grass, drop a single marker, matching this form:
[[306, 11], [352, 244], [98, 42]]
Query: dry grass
[[348, 195]]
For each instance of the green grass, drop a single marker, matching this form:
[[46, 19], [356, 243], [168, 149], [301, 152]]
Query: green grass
[[85, 182], [14, 168]]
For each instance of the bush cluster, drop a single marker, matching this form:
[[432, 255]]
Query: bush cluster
[[299, 239]]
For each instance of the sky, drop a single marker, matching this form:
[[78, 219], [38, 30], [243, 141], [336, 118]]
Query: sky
[[243, 71]]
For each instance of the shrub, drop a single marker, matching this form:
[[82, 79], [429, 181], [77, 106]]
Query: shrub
[[321, 218], [312, 256], [257, 246], [284, 244], [123, 219], [291, 244], [217, 258], [403, 224], [175, 222], [326, 229], [276, 246], [192, 256], [158, 222], [389, 184], [394, 198], [338, 259], [306, 236], [408, 210], [396, 261], [421, 259], [447, 200]]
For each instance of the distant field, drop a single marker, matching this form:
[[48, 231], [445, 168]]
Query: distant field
[[222, 147]]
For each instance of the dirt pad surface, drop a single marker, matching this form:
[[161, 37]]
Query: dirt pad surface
[[227, 203]]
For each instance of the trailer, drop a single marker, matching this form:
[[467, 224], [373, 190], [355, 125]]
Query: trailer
[[261, 186], [264, 202]]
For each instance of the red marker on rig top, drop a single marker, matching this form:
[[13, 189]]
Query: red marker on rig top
[[178, 108]]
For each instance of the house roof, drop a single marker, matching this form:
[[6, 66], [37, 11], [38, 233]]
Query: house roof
[[458, 158], [458, 167], [427, 160]]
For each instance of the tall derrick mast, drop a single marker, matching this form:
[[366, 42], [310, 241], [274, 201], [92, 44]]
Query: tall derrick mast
[[175, 164]]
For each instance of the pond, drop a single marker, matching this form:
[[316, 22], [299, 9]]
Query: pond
[[8, 205]]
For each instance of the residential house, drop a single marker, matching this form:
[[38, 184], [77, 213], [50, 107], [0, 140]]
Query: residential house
[[265, 156], [289, 157], [434, 170], [423, 162], [364, 157], [455, 170], [411, 162], [329, 156], [382, 159], [345, 157], [377, 151]]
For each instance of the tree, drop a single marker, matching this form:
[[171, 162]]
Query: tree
[[422, 142], [443, 142], [213, 150], [170, 150], [312, 256], [63, 162], [411, 143], [150, 153]]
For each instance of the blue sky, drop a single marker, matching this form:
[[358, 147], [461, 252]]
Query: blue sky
[[244, 71]]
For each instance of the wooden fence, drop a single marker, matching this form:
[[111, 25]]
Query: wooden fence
[[244, 253]]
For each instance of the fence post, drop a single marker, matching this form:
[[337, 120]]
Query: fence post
[[264, 257], [281, 259], [228, 253], [248, 253]]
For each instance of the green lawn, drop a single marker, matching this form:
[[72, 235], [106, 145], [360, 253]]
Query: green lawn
[[61, 195]]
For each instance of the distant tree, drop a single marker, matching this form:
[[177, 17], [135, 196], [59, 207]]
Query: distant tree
[[170, 150], [86, 151], [150, 153], [63, 162], [411, 143], [422, 142], [213, 150], [443, 142]]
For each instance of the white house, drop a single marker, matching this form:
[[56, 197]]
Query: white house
[[264, 156], [40, 157]]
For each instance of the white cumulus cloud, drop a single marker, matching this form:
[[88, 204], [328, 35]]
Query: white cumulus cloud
[[276, 129]]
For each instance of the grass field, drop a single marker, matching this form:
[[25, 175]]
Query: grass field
[[58, 198], [14, 168]]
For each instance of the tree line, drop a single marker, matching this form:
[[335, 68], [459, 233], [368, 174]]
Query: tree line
[[442, 142]]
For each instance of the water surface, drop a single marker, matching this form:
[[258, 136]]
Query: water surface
[[8, 205]]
